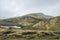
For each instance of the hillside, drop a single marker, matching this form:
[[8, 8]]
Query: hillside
[[19, 34], [54, 23], [36, 21], [34, 27], [27, 20]]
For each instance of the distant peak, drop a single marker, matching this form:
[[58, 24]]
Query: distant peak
[[40, 14]]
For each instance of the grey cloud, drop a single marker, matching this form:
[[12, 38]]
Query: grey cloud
[[12, 8]]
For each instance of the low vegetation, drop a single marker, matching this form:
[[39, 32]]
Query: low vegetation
[[34, 27], [19, 34]]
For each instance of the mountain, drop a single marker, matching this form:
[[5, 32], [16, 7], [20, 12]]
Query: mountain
[[27, 20], [41, 14], [36, 26]]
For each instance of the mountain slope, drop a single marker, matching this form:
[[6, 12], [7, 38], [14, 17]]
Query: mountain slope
[[26, 20], [54, 23]]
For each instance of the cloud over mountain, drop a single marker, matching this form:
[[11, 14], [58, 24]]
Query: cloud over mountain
[[12, 8]]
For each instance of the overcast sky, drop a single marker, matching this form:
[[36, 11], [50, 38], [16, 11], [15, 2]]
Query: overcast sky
[[13, 8]]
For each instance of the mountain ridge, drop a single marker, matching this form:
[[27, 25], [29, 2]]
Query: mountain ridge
[[32, 21]]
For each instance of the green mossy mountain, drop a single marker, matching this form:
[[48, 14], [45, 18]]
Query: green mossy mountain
[[34, 27], [34, 21], [26, 20]]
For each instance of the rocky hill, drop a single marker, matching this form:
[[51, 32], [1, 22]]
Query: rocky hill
[[34, 21], [28, 20]]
